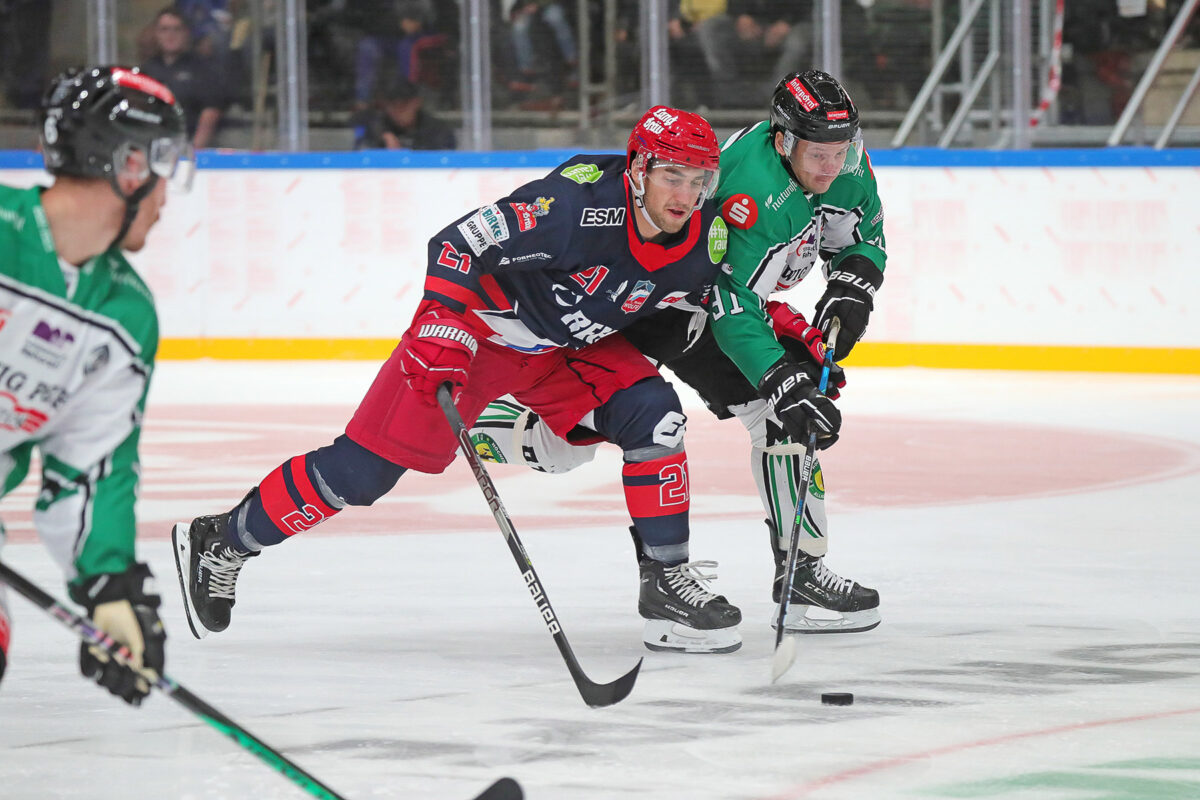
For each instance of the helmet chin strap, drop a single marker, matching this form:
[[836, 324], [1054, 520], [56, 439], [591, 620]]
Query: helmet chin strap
[[639, 201], [132, 201]]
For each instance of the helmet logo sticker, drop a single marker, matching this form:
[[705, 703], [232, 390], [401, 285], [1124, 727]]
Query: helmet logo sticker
[[740, 211], [806, 100]]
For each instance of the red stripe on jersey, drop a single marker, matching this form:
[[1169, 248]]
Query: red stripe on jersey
[[654, 256], [665, 494], [308, 492], [453, 291], [494, 293]]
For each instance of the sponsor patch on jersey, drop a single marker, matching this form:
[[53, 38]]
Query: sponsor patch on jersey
[[637, 297], [483, 229], [583, 328], [47, 344], [671, 299], [718, 240], [878, 218], [15, 417], [526, 258], [740, 211], [582, 173], [602, 217], [528, 213], [806, 100]]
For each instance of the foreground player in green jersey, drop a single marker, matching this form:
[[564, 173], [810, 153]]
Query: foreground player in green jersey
[[78, 335], [794, 189]]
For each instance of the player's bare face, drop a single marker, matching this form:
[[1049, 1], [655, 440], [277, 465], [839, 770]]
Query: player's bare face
[[817, 164], [148, 213], [672, 193]]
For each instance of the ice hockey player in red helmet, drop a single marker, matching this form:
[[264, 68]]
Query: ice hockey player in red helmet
[[523, 297], [79, 318], [794, 190]]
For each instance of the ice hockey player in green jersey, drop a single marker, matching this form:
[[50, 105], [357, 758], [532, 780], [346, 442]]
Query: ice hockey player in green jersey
[[797, 189], [794, 189], [78, 336]]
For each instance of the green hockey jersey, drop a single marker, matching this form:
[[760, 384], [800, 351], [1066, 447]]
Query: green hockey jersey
[[77, 350], [777, 231]]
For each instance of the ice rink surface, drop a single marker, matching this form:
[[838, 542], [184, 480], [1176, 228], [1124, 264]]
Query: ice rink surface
[[1035, 538]]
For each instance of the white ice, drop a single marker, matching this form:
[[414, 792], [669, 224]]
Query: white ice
[[1039, 647]]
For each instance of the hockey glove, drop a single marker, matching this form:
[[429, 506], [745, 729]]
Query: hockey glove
[[849, 296], [798, 405], [125, 606], [438, 349], [804, 343]]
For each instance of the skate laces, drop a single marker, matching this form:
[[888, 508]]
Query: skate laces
[[690, 583], [223, 564], [830, 579]]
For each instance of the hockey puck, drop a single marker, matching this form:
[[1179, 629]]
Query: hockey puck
[[837, 699]]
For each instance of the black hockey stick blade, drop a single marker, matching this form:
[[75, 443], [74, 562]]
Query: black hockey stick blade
[[503, 789], [594, 694], [86, 630]]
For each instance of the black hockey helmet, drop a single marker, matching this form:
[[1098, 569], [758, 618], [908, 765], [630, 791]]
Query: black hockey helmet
[[93, 118], [812, 106]]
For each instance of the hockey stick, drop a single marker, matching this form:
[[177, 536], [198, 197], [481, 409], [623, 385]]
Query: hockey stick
[[594, 694], [84, 628], [785, 647]]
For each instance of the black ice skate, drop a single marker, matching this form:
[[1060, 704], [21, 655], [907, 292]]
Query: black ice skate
[[208, 571], [822, 601], [681, 614]]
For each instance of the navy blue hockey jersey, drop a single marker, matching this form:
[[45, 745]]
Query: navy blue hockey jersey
[[559, 262]]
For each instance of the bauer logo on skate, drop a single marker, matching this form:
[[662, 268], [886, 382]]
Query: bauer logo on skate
[[539, 597]]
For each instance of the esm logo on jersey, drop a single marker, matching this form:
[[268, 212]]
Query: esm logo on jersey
[[740, 211], [602, 217]]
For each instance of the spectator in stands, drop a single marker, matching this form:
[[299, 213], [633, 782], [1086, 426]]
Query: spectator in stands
[[697, 43], [400, 31], [25, 43], [196, 83], [398, 121], [525, 14]]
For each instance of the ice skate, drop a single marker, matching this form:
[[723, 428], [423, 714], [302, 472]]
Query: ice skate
[[822, 601], [681, 614], [208, 571]]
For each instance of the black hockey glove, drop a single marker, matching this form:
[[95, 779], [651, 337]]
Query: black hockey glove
[[125, 606], [798, 405], [849, 296]]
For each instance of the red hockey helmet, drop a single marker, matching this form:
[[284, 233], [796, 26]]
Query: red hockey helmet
[[669, 135]]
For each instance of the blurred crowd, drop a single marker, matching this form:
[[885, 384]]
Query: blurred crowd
[[389, 69]]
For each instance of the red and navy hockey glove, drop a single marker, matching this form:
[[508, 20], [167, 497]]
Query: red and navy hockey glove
[[438, 349], [804, 343]]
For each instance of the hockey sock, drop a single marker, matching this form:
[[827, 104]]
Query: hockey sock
[[656, 492], [287, 502], [778, 477]]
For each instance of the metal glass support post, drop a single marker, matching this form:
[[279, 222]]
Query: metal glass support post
[[476, 75], [1022, 75], [102, 31], [656, 75], [1177, 114], [831, 37], [1152, 70], [291, 48]]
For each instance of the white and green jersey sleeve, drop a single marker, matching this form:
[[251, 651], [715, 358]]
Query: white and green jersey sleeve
[[777, 232], [77, 349]]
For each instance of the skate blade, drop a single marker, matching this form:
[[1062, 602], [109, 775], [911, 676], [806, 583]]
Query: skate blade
[[181, 544], [665, 636], [813, 619]]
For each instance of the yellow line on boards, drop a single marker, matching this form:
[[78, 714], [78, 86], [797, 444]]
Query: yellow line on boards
[[1057, 358]]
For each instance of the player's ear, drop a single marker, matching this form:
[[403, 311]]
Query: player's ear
[[779, 148]]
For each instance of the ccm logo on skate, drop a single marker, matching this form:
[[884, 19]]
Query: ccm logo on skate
[[543, 605], [302, 520], [433, 331]]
